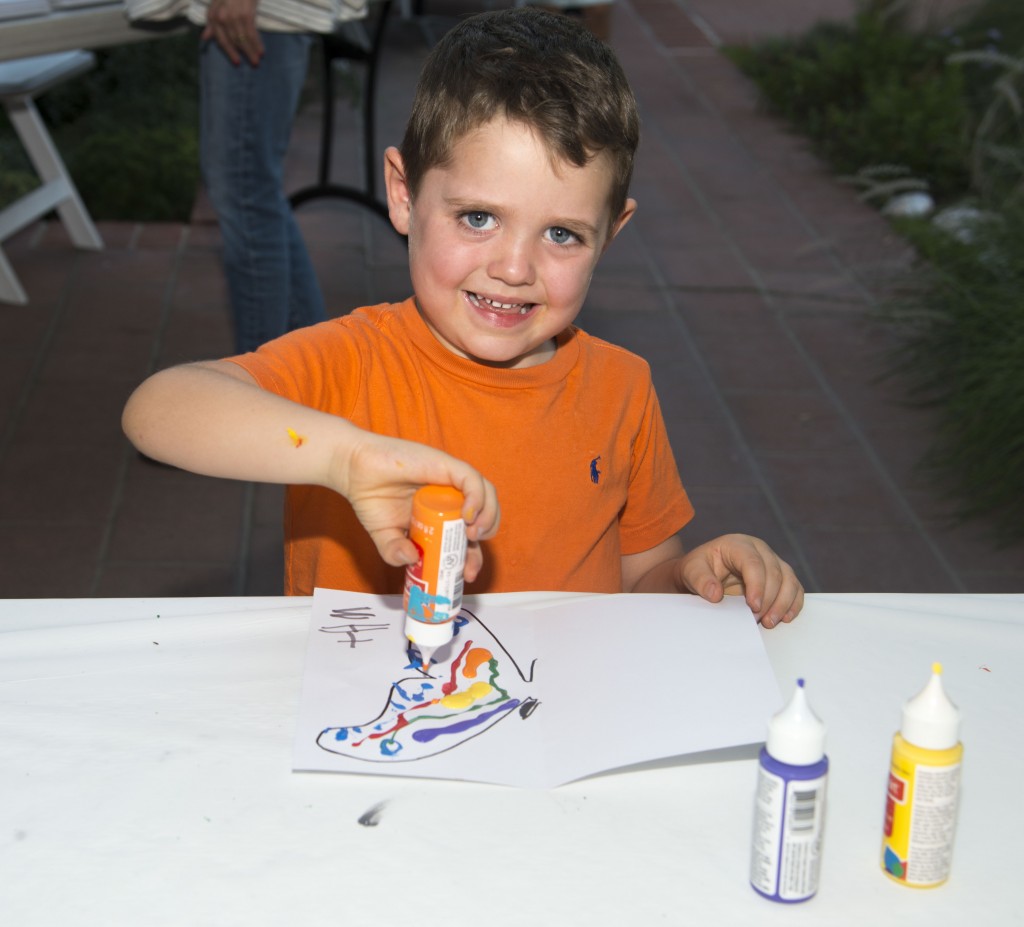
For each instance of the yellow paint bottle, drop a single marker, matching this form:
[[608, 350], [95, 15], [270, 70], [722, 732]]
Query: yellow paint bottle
[[924, 784]]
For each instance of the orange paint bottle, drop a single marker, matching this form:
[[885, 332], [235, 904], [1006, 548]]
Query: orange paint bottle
[[433, 585]]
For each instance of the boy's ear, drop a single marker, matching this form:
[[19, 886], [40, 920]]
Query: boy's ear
[[620, 223], [399, 196]]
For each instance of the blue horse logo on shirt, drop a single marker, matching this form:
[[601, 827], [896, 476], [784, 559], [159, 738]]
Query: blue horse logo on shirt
[[595, 474]]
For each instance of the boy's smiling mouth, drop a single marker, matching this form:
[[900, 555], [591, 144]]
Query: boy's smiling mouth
[[487, 304]]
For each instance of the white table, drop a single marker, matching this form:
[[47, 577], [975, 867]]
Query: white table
[[39, 27], [145, 780]]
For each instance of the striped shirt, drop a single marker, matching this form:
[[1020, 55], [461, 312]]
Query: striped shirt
[[271, 15]]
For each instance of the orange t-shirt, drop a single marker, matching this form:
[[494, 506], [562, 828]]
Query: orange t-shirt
[[576, 448]]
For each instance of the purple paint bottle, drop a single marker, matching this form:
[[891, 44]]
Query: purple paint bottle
[[789, 810]]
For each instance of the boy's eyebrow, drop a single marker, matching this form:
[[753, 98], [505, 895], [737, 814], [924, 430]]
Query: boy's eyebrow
[[577, 226]]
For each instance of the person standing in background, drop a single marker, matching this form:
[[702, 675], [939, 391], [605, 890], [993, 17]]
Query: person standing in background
[[254, 57]]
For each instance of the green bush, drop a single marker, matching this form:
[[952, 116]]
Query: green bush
[[870, 92], [127, 130], [16, 175], [895, 107], [140, 173], [964, 355]]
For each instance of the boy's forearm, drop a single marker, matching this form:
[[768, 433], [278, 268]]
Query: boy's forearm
[[654, 570], [213, 418], [661, 578], [201, 418]]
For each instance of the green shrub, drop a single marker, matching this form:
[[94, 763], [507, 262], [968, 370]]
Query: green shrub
[[964, 355], [16, 176], [893, 108], [870, 92], [995, 25], [997, 143], [127, 130], [140, 173]]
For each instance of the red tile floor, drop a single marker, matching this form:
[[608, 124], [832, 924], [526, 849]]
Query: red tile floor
[[749, 278]]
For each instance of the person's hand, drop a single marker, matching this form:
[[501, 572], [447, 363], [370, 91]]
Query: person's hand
[[232, 25], [737, 564], [380, 475]]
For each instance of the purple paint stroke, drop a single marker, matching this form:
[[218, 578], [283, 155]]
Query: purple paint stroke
[[425, 736]]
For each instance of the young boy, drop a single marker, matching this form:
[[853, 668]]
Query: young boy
[[511, 181]]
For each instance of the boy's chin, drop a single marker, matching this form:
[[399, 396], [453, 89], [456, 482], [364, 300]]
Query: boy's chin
[[503, 361]]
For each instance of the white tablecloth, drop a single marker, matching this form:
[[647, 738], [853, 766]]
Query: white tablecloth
[[41, 27], [145, 779]]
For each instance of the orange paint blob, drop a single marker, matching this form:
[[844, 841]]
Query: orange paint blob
[[474, 658]]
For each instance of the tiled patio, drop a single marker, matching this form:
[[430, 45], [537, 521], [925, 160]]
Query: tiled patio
[[748, 278]]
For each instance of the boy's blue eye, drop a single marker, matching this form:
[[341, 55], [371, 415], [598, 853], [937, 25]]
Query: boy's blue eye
[[561, 236], [477, 220]]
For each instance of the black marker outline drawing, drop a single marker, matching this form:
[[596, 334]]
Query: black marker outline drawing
[[354, 615], [462, 722]]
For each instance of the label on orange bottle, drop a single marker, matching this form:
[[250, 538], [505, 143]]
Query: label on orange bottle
[[433, 585]]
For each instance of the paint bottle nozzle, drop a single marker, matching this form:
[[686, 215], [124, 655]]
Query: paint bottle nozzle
[[930, 719], [426, 655], [796, 735]]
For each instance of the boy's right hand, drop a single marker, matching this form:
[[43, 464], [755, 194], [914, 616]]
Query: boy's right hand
[[380, 475], [211, 417]]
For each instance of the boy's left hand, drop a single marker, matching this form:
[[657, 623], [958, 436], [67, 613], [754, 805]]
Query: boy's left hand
[[737, 564]]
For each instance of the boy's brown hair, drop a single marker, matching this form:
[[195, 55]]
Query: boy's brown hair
[[541, 69]]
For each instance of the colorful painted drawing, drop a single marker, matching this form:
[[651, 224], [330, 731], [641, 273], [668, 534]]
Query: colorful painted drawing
[[611, 673], [428, 712]]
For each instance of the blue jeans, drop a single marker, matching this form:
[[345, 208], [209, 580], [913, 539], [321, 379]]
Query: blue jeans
[[246, 117]]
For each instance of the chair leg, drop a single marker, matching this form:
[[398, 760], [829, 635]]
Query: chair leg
[[327, 114], [48, 164], [369, 125], [11, 290]]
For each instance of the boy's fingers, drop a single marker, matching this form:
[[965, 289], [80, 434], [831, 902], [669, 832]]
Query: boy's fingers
[[704, 574], [741, 565], [395, 548], [474, 562], [481, 511], [787, 603]]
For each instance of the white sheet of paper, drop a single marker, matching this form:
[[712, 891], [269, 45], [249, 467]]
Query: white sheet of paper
[[530, 697]]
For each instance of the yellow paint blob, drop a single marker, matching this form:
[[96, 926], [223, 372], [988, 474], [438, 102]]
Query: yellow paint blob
[[466, 698]]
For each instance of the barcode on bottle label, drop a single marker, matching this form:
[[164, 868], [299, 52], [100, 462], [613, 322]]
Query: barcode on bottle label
[[804, 810]]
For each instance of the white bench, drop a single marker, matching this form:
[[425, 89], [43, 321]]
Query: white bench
[[21, 80]]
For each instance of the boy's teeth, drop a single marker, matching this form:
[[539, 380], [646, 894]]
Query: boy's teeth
[[504, 306]]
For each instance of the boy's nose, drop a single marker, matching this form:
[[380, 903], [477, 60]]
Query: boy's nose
[[512, 262]]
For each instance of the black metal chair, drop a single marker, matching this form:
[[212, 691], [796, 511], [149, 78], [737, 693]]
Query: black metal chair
[[358, 41]]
